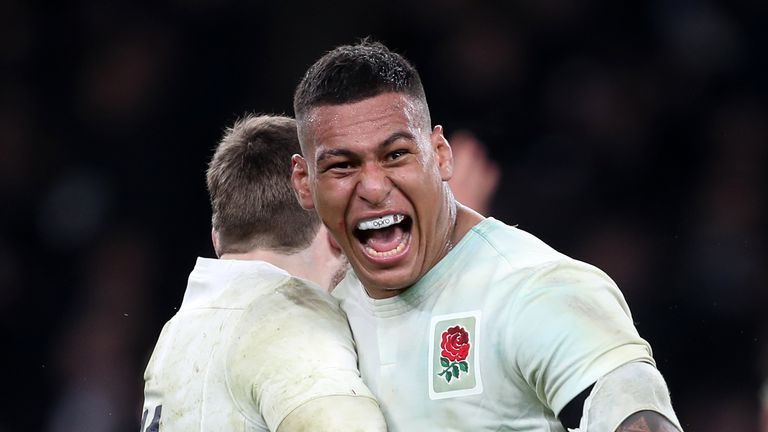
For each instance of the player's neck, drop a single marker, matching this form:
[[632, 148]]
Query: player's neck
[[288, 262], [313, 263], [466, 218]]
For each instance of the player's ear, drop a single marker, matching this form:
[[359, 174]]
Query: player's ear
[[443, 153], [300, 180]]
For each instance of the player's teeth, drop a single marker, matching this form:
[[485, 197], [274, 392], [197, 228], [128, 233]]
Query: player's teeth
[[380, 222], [373, 252]]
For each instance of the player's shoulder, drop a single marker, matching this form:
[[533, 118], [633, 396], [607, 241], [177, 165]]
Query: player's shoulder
[[295, 299], [219, 284], [288, 311], [281, 332], [518, 247], [534, 262]]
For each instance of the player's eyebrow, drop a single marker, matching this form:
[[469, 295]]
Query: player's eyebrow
[[325, 154], [394, 137]]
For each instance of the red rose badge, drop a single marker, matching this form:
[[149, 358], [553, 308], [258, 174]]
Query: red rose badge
[[455, 350]]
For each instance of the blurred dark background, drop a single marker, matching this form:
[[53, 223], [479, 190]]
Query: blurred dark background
[[632, 135]]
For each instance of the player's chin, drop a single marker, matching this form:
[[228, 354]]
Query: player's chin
[[387, 283], [384, 273]]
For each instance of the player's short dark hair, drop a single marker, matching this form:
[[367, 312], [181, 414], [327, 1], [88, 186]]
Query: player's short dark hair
[[249, 185], [351, 73]]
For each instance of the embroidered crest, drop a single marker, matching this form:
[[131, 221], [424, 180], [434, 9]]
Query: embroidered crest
[[455, 348], [454, 359]]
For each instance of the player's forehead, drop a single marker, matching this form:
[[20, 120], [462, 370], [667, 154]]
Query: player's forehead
[[368, 121]]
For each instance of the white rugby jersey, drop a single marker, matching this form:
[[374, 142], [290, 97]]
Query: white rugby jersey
[[500, 335], [249, 344]]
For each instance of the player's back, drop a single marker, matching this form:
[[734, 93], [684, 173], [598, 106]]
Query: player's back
[[186, 385], [248, 346]]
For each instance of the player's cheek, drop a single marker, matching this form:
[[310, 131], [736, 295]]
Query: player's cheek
[[332, 214]]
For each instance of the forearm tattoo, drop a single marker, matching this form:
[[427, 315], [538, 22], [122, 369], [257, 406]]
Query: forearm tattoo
[[646, 421]]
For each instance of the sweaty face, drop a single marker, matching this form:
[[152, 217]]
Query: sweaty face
[[375, 173]]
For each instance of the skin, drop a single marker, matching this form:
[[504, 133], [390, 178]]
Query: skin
[[646, 421], [378, 157], [320, 262]]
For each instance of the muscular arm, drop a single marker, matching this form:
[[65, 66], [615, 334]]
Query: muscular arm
[[646, 421], [633, 396]]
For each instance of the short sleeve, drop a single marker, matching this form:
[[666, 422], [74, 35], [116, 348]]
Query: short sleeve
[[291, 346], [570, 326]]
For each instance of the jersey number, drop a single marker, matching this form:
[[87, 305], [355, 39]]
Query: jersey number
[[154, 425]]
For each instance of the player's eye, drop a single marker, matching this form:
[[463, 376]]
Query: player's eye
[[336, 166], [397, 154], [341, 165]]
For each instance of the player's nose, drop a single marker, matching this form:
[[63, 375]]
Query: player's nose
[[374, 186]]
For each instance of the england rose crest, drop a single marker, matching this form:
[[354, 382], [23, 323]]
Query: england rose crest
[[455, 350]]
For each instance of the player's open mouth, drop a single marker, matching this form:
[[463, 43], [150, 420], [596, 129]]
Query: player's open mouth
[[384, 236]]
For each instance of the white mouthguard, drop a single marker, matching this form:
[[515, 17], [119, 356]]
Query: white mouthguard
[[380, 222]]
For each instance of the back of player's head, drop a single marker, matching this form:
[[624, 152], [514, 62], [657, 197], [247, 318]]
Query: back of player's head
[[351, 73], [249, 185]]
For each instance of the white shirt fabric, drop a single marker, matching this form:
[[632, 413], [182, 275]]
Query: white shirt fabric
[[628, 389], [540, 328], [249, 344]]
